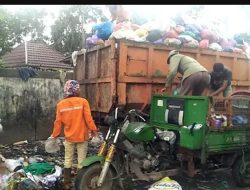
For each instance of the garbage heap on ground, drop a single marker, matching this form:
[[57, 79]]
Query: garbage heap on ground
[[177, 33], [26, 165]]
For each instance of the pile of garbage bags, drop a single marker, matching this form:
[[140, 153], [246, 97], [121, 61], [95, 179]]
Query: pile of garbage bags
[[31, 174], [175, 33]]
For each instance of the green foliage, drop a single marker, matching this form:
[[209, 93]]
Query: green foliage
[[7, 37], [14, 27], [67, 32]]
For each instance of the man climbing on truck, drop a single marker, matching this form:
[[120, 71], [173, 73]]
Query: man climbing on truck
[[195, 77], [220, 81]]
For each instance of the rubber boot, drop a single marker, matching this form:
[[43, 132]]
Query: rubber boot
[[66, 178], [74, 172]]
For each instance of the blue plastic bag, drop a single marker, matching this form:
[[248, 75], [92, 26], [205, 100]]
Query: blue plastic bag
[[103, 30]]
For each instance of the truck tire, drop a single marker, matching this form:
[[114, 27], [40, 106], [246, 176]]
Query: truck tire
[[242, 178], [88, 176]]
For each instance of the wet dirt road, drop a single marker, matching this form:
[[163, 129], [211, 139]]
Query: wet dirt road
[[213, 181]]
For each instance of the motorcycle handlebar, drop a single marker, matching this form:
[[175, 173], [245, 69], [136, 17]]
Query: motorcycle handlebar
[[139, 113], [142, 113]]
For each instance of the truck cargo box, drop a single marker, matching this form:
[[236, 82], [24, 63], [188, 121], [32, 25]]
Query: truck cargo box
[[127, 73]]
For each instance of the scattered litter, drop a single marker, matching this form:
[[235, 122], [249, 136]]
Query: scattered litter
[[40, 168], [224, 184], [20, 142], [203, 187], [13, 165], [50, 180], [165, 184], [1, 127]]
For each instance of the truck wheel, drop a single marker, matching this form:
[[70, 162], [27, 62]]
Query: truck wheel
[[87, 178], [240, 172]]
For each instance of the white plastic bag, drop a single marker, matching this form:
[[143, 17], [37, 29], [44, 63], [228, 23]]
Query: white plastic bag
[[1, 127], [165, 184], [215, 46], [12, 164], [96, 141], [52, 145]]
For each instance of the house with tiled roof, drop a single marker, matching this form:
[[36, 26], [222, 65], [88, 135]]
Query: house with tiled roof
[[36, 54]]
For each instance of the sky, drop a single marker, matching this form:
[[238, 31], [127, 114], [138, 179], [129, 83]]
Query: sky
[[233, 18]]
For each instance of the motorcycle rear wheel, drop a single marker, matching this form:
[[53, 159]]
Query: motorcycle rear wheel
[[242, 178], [87, 178]]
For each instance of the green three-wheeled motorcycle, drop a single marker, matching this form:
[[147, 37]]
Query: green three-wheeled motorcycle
[[188, 134]]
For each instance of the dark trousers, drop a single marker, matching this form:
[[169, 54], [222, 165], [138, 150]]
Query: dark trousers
[[195, 84]]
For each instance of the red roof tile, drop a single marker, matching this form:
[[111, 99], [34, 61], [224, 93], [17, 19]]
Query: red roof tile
[[38, 54]]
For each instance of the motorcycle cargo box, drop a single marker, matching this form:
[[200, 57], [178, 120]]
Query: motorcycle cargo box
[[191, 136]]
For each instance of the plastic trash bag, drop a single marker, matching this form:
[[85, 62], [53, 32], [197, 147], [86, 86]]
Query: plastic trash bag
[[74, 57], [4, 181], [247, 52], [96, 141], [172, 42], [189, 33], [239, 119], [224, 43], [193, 28], [141, 32], [13, 165], [215, 46], [40, 168], [154, 35], [165, 184], [228, 50], [127, 34], [237, 50], [104, 30], [179, 29], [171, 34], [122, 26], [93, 40], [209, 35], [1, 127], [204, 44], [185, 38], [192, 44], [52, 145], [50, 180], [160, 41]]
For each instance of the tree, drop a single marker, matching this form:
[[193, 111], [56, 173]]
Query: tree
[[67, 32], [14, 27], [31, 21]]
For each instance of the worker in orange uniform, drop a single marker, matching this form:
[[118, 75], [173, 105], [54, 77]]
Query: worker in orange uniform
[[73, 112]]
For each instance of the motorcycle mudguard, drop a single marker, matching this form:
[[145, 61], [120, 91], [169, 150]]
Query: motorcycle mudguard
[[91, 160]]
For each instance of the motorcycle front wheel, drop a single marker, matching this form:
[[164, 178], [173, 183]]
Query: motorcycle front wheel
[[87, 178]]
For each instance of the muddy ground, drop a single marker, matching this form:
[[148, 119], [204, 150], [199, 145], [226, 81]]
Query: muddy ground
[[213, 181]]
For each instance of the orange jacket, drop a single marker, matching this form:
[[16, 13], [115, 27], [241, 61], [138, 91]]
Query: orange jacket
[[75, 115]]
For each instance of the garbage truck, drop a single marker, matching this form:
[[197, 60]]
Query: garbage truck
[[127, 73]]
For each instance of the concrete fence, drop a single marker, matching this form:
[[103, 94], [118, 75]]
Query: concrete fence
[[27, 108]]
